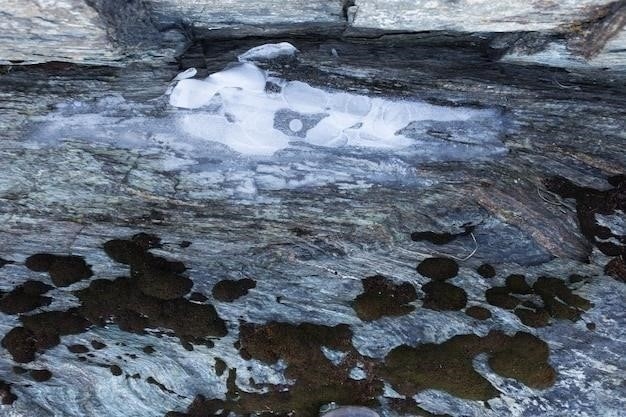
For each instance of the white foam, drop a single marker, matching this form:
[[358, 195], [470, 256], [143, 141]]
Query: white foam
[[246, 115], [268, 52]]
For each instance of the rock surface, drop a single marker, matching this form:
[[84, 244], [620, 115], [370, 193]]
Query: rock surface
[[94, 155], [569, 34]]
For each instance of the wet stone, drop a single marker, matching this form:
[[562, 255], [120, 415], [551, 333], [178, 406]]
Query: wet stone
[[439, 269], [63, 270], [229, 290], [382, 297], [115, 370]]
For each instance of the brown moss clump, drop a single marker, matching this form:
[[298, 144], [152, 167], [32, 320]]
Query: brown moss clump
[[500, 297], [382, 297], [589, 203], [443, 296], [517, 284], [486, 271], [63, 270], [524, 358], [477, 312], [40, 375], [151, 297], [25, 298], [229, 290], [448, 366], [616, 268], [317, 380], [439, 269], [6, 396], [557, 300]]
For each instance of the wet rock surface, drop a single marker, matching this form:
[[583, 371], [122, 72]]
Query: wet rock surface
[[468, 340]]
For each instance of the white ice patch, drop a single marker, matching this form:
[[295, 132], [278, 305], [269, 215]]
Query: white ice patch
[[238, 112], [243, 132], [268, 52]]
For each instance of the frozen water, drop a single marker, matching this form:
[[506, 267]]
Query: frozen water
[[268, 52], [235, 137], [245, 117]]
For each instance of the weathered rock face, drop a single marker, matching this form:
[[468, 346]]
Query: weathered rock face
[[572, 33], [475, 15], [39, 31], [239, 18]]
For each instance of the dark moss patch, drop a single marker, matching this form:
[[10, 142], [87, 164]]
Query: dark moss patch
[[486, 271], [133, 303], [123, 302], [229, 290], [66, 270], [152, 381], [63, 270], [20, 343], [440, 238], [535, 317], [25, 298], [116, 370], [448, 366], [318, 380], [40, 262], [439, 269], [98, 345], [220, 366], [590, 202], [199, 297], [443, 296], [78, 348], [19, 370], [557, 300], [40, 375], [517, 284], [616, 268], [382, 297], [501, 297], [6, 396], [479, 313]]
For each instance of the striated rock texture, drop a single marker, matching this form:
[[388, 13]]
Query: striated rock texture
[[145, 272], [474, 15], [33, 31], [571, 33]]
